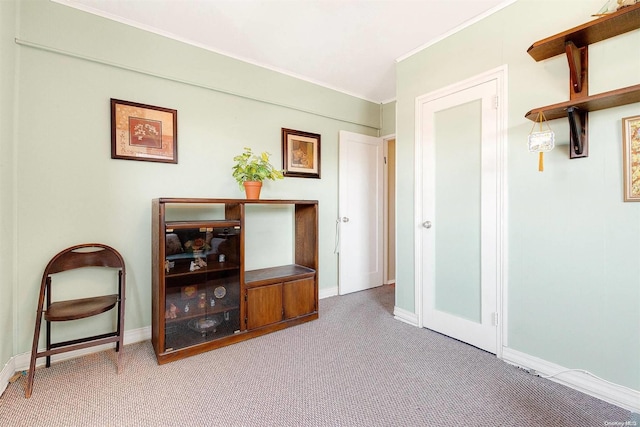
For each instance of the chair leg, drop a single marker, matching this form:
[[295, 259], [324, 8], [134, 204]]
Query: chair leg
[[34, 355], [48, 339], [119, 358]]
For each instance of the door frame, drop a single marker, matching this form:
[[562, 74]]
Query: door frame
[[385, 207], [500, 75]]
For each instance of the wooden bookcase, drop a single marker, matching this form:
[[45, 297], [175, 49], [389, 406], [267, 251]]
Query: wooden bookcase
[[202, 295]]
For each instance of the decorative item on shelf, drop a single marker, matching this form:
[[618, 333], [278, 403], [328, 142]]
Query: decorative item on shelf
[[205, 324], [196, 246], [197, 264], [171, 312], [614, 5], [541, 141], [202, 300], [250, 170], [220, 292]]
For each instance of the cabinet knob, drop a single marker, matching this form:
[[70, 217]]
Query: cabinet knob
[[426, 224], [345, 219]]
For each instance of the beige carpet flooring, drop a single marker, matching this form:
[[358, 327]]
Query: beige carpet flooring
[[355, 366]]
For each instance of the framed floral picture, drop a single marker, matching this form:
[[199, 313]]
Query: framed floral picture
[[300, 153], [631, 158], [143, 132]]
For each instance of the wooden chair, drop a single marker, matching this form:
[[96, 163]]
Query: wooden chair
[[85, 255]]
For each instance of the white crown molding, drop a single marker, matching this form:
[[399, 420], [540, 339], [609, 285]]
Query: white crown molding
[[455, 30], [169, 35]]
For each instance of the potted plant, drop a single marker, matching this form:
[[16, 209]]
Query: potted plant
[[251, 169]]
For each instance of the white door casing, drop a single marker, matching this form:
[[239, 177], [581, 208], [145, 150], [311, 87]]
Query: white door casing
[[360, 212], [460, 210]]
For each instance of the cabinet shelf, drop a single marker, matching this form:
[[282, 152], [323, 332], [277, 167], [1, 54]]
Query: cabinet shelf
[[574, 44], [216, 267], [197, 313]]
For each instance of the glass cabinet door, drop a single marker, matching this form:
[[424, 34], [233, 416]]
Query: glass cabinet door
[[202, 282]]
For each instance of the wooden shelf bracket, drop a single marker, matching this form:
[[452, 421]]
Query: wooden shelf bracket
[[578, 69], [578, 140]]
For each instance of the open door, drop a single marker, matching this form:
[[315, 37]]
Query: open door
[[360, 217]]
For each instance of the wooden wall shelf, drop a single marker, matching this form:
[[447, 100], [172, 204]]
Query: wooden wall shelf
[[601, 101], [574, 44], [620, 22]]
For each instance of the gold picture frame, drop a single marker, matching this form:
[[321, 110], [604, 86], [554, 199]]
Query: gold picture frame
[[631, 158], [143, 132], [300, 153]]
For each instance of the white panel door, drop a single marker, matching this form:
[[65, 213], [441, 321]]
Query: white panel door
[[360, 212], [460, 212]]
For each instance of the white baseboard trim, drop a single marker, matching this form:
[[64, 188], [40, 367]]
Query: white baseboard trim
[[405, 316], [20, 362], [6, 374], [577, 379], [326, 293]]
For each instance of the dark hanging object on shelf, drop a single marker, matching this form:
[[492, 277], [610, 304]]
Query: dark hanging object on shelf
[[578, 142]]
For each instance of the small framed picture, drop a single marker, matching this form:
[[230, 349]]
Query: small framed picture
[[631, 158], [300, 153], [143, 132]]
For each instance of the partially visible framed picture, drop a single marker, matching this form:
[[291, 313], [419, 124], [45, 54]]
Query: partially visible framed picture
[[143, 132], [300, 153], [631, 158]]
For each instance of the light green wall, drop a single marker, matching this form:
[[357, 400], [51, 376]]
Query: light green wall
[[69, 190], [573, 257], [388, 114], [7, 257]]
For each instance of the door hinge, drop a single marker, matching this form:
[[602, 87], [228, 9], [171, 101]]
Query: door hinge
[[495, 102], [495, 319]]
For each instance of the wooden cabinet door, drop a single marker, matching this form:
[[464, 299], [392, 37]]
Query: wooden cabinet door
[[264, 305], [299, 297]]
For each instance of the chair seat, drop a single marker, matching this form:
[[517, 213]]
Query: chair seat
[[80, 308]]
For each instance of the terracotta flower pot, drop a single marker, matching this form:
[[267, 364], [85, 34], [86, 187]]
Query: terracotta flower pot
[[252, 189]]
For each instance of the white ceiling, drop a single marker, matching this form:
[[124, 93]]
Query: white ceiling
[[348, 45]]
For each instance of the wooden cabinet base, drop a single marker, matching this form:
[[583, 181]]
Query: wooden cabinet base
[[203, 297], [171, 356]]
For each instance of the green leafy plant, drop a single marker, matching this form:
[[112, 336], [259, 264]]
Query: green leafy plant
[[253, 167]]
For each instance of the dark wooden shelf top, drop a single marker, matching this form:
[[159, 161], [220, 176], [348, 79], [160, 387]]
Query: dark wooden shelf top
[[607, 26], [178, 200], [276, 274], [601, 101]]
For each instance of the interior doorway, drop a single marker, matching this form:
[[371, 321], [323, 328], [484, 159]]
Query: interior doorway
[[367, 205], [390, 209]]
